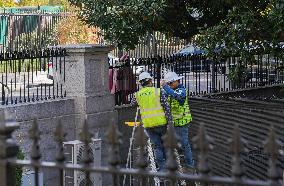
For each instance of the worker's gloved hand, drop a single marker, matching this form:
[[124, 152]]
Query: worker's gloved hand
[[163, 82]]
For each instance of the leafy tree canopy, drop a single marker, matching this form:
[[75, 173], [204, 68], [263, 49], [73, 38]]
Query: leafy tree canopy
[[231, 24], [250, 25], [125, 21]]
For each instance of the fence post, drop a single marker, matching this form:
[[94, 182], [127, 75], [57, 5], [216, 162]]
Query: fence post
[[8, 149], [159, 64], [3, 94], [213, 76]]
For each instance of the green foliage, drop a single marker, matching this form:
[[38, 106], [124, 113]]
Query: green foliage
[[233, 23], [250, 24], [238, 75], [125, 21], [250, 27], [19, 170]]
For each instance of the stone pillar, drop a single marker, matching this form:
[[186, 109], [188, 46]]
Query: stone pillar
[[87, 82]]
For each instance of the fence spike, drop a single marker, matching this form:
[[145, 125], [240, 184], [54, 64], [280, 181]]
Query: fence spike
[[59, 136], [34, 135], [141, 142], [86, 138], [202, 143], [272, 147], [113, 140], [170, 143], [236, 147]]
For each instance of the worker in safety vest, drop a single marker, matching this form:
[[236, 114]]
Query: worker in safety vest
[[153, 105], [178, 101]]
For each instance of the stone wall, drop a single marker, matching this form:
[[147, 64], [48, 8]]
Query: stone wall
[[47, 113]]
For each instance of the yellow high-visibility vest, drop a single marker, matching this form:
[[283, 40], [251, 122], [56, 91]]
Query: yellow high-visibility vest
[[181, 113], [151, 110]]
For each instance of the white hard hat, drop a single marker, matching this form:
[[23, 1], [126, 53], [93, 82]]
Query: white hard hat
[[144, 75], [172, 76]]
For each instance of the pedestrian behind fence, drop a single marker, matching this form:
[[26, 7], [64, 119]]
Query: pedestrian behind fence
[[122, 81], [155, 114], [178, 101]]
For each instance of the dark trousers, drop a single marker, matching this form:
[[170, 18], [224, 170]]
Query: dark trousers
[[155, 134], [182, 133]]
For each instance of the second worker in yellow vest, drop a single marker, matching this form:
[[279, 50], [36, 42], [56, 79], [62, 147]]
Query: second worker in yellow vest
[[153, 104], [178, 100]]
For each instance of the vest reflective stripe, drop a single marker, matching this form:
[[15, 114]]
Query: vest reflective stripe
[[152, 115], [181, 113], [152, 109], [152, 112]]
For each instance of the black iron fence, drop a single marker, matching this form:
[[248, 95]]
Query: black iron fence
[[32, 75], [202, 143], [156, 43], [201, 75]]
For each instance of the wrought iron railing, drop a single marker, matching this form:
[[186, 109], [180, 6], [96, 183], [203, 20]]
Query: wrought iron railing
[[32, 75], [202, 143], [201, 75], [154, 44]]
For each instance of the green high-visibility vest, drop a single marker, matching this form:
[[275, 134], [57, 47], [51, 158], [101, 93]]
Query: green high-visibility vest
[[151, 110], [181, 113]]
